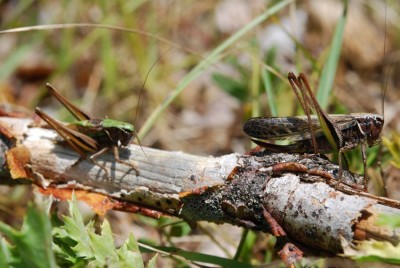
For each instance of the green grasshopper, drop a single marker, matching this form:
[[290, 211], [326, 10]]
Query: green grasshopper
[[322, 133], [96, 136]]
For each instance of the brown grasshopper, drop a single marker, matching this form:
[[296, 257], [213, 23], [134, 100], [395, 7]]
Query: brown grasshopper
[[87, 134], [320, 133]]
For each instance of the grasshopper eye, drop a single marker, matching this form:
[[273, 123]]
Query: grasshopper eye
[[379, 122]]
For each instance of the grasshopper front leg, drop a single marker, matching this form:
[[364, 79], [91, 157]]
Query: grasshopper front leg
[[93, 157], [364, 159], [129, 164]]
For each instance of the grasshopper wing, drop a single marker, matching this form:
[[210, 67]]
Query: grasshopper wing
[[280, 128], [294, 129], [291, 128], [75, 139]]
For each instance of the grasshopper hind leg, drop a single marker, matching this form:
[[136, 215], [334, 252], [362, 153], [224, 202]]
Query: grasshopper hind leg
[[94, 162]]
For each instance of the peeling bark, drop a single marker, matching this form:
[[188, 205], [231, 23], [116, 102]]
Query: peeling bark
[[298, 191]]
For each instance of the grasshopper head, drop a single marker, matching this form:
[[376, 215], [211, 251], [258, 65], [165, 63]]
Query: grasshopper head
[[125, 136], [373, 128], [121, 133]]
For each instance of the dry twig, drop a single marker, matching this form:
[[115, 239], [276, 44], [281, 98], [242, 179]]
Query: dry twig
[[288, 195]]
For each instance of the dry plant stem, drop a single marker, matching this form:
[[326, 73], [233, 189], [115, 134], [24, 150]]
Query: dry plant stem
[[231, 189]]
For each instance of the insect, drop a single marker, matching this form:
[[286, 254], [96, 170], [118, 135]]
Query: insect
[[96, 136], [320, 133]]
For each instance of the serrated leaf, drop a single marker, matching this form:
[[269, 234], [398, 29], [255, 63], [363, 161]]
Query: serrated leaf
[[32, 245], [76, 230], [129, 253], [152, 262], [103, 246], [99, 249], [79, 244]]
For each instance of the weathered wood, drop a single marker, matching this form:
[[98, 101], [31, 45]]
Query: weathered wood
[[233, 188]]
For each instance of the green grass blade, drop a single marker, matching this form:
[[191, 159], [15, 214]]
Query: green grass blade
[[195, 257], [245, 247], [329, 70], [255, 87], [241, 244], [266, 76], [109, 65], [214, 56]]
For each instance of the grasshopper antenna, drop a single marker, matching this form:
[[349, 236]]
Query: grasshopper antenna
[[141, 93], [384, 84], [385, 75]]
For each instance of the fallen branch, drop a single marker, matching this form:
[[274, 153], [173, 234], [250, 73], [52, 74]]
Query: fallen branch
[[262, 192]]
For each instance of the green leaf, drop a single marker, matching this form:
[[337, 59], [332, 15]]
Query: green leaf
[[152, 262], [103, 245], [99, 249], [32, 245], [80, 245], [129, 253], [230, 85], [6, 254], [77, 231]]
